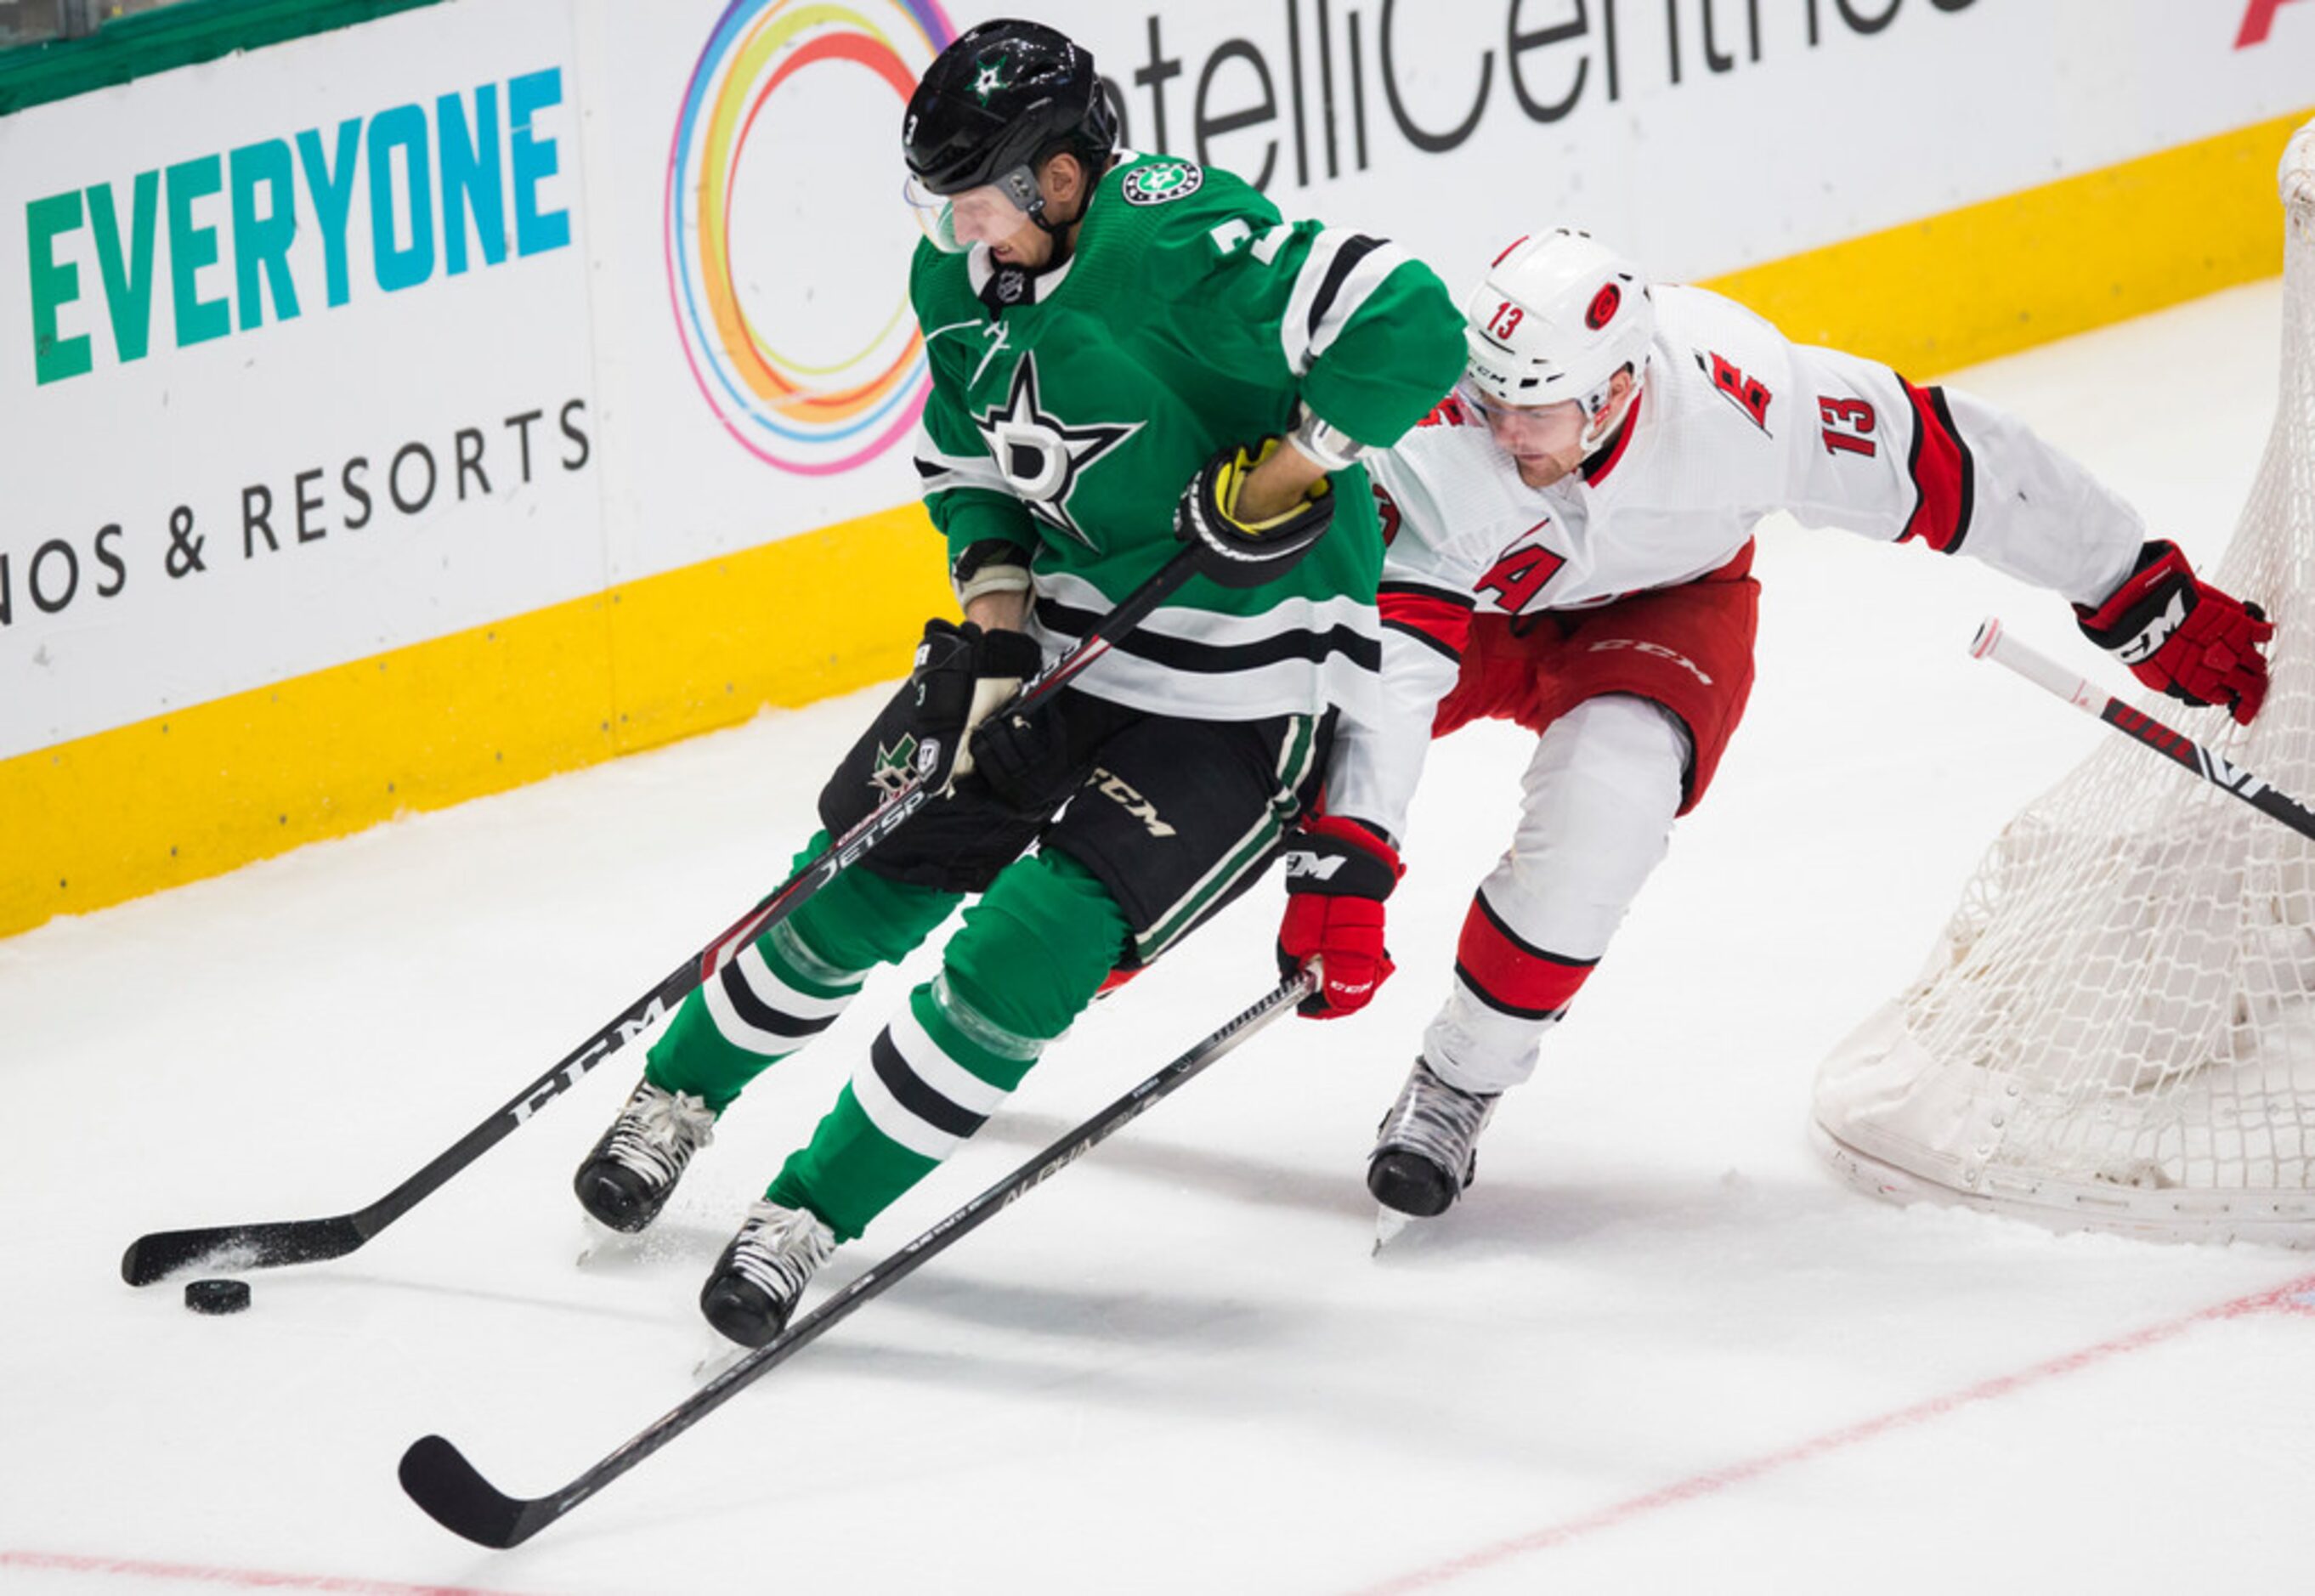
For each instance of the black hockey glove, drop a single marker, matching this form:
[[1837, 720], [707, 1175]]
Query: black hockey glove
[[1024, 760], [963, 675], [1238, 553]]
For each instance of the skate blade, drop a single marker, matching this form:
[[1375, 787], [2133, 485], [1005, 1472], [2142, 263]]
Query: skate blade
[[1388, 1223], [716, 1355], [599, 1245]]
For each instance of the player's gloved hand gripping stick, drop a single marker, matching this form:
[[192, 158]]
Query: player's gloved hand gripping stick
[[1338, 873], [963, 676], [307, 1241], [1236, 553], [2182, 636], [1992, 643]]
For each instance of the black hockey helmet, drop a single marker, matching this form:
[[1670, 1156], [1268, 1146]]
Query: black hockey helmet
[[1001, 99]]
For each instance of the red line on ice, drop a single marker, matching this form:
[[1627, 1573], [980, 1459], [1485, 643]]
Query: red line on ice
[[248, 1579], [2297, 1295]]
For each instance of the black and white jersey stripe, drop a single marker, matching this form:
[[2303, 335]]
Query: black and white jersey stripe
[[1298, 656]]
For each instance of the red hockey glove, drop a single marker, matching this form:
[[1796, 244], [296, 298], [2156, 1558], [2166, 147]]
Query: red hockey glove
[[2178, 632], [1339, 873]]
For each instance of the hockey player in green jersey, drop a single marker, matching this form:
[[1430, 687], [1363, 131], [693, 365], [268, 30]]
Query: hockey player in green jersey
[[1128, 353]]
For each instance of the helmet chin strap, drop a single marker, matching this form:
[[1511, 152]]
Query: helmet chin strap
[[1602, 427], [1060, 232], [1061, 241], [1062, 248]]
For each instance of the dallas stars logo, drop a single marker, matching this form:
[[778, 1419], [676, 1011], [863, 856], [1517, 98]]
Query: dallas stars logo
[[894, 764], [1041, 456], [991, 78], [1163, 180]]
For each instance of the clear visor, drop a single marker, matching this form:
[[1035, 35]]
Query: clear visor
[[1520, 420], [989, 214]]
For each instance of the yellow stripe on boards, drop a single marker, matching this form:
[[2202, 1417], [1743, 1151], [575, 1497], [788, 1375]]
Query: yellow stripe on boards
[[2085, 251], [208, 789]]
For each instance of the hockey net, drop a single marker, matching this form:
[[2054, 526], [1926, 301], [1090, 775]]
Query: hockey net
[[2116, 1029]]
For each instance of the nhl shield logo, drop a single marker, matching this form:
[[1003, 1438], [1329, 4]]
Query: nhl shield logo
[[1163, 182]]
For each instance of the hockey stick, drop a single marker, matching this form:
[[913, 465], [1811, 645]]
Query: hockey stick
[[1992, 643], [438, 1478], [310, 1241]]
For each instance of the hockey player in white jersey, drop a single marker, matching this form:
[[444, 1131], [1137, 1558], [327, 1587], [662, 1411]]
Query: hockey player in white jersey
[[1570, 548]]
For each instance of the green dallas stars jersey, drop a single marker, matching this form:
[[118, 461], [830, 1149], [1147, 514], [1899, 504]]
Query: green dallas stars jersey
[[1070, 408]]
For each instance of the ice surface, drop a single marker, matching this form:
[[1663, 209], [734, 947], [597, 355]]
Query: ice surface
[[1658, 1348]]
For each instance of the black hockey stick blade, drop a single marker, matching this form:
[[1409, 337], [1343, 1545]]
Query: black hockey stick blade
[[240, 1247], [438, 1478]]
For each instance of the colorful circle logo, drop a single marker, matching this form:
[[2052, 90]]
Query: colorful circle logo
[[816, 417]]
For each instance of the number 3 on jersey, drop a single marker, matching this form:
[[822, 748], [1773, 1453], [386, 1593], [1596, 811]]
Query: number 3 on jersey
[[1518, 576]]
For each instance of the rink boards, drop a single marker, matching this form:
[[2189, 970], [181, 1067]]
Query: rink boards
[[411, 411]]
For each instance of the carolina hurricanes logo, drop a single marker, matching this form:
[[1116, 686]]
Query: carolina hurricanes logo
[[1604, 306]]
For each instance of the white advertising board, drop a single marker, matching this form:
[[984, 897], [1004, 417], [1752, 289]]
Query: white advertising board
[[760, 362], [297, 367], [1702, 135], [401, 342], [757, 352]]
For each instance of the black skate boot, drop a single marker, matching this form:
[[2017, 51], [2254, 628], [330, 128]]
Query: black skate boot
[[754, 1289], [628, 1177], [1426, 1146]]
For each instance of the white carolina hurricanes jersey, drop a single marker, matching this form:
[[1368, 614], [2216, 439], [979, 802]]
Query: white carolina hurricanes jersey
[[1734, 421]]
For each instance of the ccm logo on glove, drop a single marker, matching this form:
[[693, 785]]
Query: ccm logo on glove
[[1339, 873], [2181, 635]]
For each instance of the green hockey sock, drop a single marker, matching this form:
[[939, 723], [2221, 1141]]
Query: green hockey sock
[[791, 985], [1031, 956]]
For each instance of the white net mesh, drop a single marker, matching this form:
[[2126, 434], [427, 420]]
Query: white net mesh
[[2117, 1027]]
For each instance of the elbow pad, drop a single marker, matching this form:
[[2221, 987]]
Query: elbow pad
[[1322, 444]]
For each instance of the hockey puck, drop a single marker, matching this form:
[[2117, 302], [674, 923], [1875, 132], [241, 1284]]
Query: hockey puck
[[216, 1296]]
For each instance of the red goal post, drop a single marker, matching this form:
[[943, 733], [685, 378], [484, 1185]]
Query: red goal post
[[2116, 1028]]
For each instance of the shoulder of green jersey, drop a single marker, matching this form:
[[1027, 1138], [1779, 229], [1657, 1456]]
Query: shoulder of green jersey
[[1164, 180], [1342, 272]]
